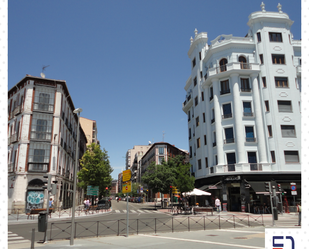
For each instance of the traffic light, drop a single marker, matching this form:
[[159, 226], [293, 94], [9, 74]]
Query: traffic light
[[47, 182], [267, 186], [279, 188]]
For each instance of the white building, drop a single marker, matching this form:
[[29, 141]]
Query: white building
[[42, 131], [243, 107]]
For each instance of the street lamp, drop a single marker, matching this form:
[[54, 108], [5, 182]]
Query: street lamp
[[76, 111]]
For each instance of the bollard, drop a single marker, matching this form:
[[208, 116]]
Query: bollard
[[32, 238]]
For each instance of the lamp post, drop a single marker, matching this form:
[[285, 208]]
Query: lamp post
[[76, 111]]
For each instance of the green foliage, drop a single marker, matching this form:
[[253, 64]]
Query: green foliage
[[95, 169], [174, 172]]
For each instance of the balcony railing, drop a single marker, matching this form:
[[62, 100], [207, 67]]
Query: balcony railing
[[250, 139], [43, 107], [256, 166], [214, 144], [244, 168], [213, 120], [187, 100], [228, 115], [247, 89], [226, 91], [40, 135], [17, 110], [245, 65], [229, 140], [11, 167], [37, 167], [248, 114]]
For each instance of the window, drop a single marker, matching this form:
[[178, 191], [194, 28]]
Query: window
[[196, 101], [270, 131], [190, 151], [223, 63], [273, 157], [193, 63], [247, 109], [229, 135], [189, 116], [197, 121], [264, 81], [205, 140], [211, 93], [245, 86], [200, 55], [213, 115], [216, 159], [189, 133], [43, 101], [258, 35], [291, 156], [195, 81], [225, 87], [261, 59], [161, 158], [202, 96], [204, 118], [252, 160], [199, 164], [243, 63], [231, 160], [249, 134], [275, 37], [198, 142], [227, 111], [41, 128], [284, 106], [206, 162], [214, 140], [278, 58], [201, 75], [267, 105], [281, 82], [288, 131], [161, 150]]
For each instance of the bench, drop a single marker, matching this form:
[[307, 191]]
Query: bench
[[203, 209], [37, 211]]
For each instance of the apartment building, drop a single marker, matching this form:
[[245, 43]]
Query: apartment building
[[42, 133], [91, 131], [157, 153], [244, 115]]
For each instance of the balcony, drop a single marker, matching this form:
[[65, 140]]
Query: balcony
[[37, 167], [248, 114], [228, 115], [42, 107], [17, 110], [226, 91], [247, 89], [250, 139], [40, 135], [187, 103], [244, 168], [229, 141], [255, 167], [11, 167]]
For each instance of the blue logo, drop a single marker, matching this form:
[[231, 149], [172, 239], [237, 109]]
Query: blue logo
[[279, 242]]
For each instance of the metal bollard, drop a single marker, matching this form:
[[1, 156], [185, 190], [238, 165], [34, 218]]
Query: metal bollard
[[32, 238]]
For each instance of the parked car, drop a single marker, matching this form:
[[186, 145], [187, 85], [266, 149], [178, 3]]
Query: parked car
[[104, 204]]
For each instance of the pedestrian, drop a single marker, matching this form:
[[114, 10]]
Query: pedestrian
[[85, 203], [218, 204], [51, 202], [299, 213]]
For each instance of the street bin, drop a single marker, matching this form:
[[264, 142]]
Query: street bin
[[275, 213], [42, 221]]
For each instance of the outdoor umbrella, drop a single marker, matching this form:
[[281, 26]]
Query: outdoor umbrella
[[196, 192]]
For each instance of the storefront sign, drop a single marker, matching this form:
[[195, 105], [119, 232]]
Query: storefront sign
[[233, 178], [293, 192]]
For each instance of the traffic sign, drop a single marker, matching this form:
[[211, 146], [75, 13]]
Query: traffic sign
[[293, 187], [126, 175], [126, 187], [93, 190]]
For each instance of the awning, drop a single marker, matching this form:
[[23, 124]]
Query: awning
[[212, 186], [259, 188]]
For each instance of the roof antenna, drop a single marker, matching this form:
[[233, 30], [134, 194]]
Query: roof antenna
[[43, 68]]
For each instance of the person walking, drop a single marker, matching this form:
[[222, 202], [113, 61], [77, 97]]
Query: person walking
[[299, 213], [218, 204]]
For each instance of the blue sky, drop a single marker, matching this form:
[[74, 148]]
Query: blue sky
[[125, 62]]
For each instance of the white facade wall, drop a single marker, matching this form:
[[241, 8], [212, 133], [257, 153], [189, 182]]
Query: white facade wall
[[232, 48]]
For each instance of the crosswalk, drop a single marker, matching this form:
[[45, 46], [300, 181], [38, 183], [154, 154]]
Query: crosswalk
[[14, 238], [137, 211]]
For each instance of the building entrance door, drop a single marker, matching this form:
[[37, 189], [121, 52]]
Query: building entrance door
[[234, 199]]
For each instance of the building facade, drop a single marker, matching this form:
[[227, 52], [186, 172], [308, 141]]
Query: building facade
[[157, 153], [91, 131], [243, 108], [42, 133]]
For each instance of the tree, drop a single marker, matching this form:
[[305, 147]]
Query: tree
[[95, 169]]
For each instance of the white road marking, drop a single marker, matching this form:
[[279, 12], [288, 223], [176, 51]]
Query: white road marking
[[203, 242], [18, 241], [140, 211], [117, 211], [133, 211], [237, 231]]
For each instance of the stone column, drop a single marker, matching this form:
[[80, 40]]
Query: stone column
[[260, 135], [239, 128], [217, 110]]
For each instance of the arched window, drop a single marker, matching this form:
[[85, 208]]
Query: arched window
[[223, 63], [243, 62]]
